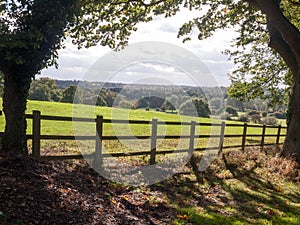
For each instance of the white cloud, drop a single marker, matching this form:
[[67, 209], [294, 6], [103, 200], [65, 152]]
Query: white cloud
[[75, 63]]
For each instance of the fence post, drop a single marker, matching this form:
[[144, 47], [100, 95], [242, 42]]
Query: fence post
[[244, 136], [98, 151], [153, 142], [263, 137], [222, 132], [36, 134], [192, 137], [278, 135]]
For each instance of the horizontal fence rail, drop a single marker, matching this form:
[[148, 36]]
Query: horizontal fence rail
[[98, 155]]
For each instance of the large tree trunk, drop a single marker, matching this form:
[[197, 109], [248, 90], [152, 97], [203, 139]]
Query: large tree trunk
[[15, 95], [284, 38], [292, 141]]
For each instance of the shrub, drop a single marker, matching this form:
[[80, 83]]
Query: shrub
[[243, 118], [253, 112], [264, 114], [195, 107], [126, 104], [232, 111], [270, 120], [255, 118], [225, 116], [280, 115]]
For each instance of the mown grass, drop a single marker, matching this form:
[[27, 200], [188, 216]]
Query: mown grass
[[79, 128]]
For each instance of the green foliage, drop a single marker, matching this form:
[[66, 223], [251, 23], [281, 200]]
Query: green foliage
[[253, 112], [235, 103], [280, 115], [29, 39], [202, 107], [100, 101], [72, 94], [244, 118], [270, 120], [31, 32], [44, 89], [126, 104], [261, 71], [171, 103], [264, 114], [225, 116], [106, 97], [217, 103], [195, 107], [232, 111], [255, 118]]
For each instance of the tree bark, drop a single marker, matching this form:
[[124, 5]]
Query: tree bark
[[285, 39], [15, 94], [291, 146]]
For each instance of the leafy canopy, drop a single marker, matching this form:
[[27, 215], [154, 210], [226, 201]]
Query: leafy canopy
[[260, 71], [31, 31]]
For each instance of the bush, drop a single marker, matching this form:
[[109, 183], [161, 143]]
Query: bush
[[126, 104], [195, 107], [264, 114], [280, 115], [255, 118], [243, 118], [232, 111], [253, 112], [225, 116], [270, 120]]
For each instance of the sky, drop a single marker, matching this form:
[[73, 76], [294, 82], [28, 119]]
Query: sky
[[76, 64]]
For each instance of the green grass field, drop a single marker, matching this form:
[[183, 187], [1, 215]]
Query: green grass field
[[250, 187], [76, 128]]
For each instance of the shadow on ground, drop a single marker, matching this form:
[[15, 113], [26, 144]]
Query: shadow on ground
[[251, 187]]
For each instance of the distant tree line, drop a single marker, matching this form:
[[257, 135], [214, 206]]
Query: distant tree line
[[194, 102]]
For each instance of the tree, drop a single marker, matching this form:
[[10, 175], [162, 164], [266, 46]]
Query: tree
[[232, 111], [272, 22], [188, 108], [31, 33], [126, 104], [202, 107], [72, 94], [195, 107], [1, 83], [44, 89], [235, 103]]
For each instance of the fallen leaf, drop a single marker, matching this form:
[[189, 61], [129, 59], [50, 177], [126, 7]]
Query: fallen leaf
[[183, 217], [100, 210]]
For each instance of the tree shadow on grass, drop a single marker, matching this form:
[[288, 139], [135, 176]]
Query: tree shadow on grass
[[236, 189]]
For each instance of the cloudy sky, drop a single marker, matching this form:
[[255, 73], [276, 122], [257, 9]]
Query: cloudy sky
[[78, 64]]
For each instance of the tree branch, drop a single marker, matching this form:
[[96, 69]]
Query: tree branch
[[297, 3], [289, 33], [279, 45]]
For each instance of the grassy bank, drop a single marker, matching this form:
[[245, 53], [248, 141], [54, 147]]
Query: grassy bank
[[69, 128]]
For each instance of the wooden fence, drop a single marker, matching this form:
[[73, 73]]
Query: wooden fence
[[36, 136]]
